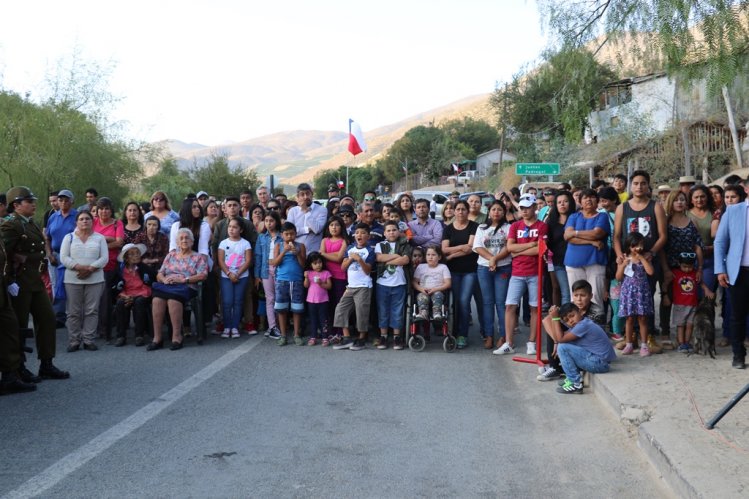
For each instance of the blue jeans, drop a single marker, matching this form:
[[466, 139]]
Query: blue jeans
[[564, 283], [232, 300], [390, 303], [494, 292], [462, 287], [708, 277], [575, 358]]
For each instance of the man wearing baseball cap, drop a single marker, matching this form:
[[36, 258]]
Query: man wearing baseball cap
[[60, 224]]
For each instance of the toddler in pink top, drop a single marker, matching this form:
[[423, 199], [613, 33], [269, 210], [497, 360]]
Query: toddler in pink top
[[317, 281]]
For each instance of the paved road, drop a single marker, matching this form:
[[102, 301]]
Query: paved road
[[237, 418]]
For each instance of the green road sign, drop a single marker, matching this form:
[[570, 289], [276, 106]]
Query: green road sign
[[537, 168]]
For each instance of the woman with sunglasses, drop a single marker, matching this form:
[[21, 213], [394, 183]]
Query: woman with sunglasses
[[161, 209], [683, 237]]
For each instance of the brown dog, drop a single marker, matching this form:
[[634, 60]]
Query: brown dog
[[703, 330]]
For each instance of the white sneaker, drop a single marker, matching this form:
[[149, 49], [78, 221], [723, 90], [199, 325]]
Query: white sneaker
[[235, 333], [504, 349], [530, 348], [226, 333], [549, 374]]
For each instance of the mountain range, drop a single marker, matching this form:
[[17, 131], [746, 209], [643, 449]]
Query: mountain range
[[295, 156]]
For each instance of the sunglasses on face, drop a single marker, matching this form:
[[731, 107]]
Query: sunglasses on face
[[346, 215], [272, 207], [369, 198], [688, 255]]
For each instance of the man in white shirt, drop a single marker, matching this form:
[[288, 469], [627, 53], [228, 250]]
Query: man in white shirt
[[309, 219]]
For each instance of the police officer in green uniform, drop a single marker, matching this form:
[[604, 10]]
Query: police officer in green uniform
[[24, 243], [10, 339]]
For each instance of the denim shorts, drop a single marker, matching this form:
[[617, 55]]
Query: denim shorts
[[290, 293], [517, 287]]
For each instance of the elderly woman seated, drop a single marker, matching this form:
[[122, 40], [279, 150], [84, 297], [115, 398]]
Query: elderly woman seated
[[176, 284]]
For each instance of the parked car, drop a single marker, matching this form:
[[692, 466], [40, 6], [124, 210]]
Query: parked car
[[486, 199]]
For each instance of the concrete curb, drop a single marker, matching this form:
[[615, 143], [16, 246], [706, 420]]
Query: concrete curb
[[655, 400]]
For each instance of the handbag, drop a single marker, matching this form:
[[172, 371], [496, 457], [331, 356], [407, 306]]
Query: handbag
[[179, 291]]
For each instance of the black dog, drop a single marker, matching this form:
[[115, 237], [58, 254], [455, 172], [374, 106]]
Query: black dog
[[704, 327]]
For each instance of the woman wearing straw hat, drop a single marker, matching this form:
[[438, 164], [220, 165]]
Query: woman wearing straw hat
[[133, 285]]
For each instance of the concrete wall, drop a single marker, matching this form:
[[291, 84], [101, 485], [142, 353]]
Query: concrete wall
[[485, 161]]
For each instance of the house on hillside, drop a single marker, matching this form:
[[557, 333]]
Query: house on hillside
[[656, 122], [486, 162]]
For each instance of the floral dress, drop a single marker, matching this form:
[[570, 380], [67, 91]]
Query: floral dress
[[635, 298]]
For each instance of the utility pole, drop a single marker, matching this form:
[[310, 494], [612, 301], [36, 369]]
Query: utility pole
[[732, 124], [504, 128]]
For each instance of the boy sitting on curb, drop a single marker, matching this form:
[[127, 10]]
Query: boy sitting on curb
[[584, 347], [582, 297]]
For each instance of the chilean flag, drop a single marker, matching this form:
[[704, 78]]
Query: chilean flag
[[356, 142]]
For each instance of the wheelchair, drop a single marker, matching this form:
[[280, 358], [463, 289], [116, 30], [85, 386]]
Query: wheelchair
[[419, 331]]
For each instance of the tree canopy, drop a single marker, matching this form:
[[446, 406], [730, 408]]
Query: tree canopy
[[697, 37], [554, 99], [52, 145]]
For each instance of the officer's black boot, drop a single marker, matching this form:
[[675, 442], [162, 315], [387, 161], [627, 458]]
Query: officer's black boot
[[12, 383], [27, 376], [47, 370]]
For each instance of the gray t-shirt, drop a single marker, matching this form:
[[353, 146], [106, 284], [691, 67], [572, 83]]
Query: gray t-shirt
[[592, 338]]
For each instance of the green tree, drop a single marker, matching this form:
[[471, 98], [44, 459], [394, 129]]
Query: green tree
[[555, 98], [169, 179], [220, 179], [675, 33], [52, 145], [475, 136]]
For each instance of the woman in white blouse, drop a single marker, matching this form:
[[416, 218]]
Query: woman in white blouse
[[84, 254]]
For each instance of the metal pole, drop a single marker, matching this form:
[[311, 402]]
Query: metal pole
[[346, 189], [735, 400]]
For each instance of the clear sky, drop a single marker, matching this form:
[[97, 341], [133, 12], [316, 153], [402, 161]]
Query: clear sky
[[219, 70]]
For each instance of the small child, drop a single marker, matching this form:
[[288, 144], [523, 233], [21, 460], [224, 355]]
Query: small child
[[234, 259], [635, 300], [358, 295], [332, 250], [134, 281], [684, 302], [397, 216], [318, 281], [417, 258], [265, 271], [431, 280], [289, 259], [392, 257]]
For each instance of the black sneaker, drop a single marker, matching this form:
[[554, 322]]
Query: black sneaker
[[345, 343], [383, 344], [397, 342], [274, 333], [358, 345], [570, 387], [739, 363]]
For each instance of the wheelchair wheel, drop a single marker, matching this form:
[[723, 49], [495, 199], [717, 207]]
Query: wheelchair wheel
[[449, 345], [416, 343]]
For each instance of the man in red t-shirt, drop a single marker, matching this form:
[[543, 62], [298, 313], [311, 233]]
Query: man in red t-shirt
[[522, 242]]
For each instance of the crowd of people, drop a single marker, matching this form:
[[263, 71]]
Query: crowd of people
[[341, 274]]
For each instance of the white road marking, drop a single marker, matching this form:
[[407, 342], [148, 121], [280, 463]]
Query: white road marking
[[61, 469]]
